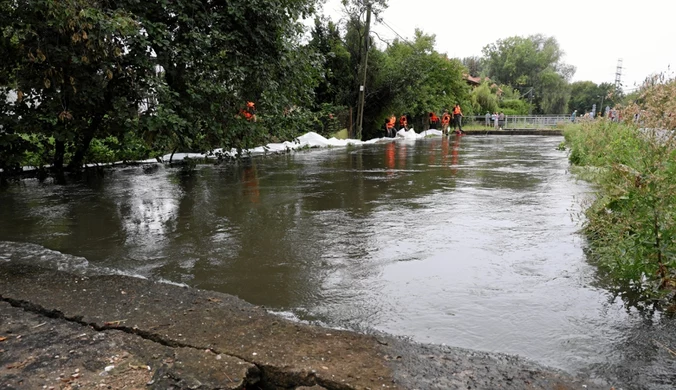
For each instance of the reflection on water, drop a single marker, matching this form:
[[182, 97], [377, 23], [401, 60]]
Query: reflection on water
[[466, 241]]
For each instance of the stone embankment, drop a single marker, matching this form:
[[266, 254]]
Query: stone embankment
[[65, 331]]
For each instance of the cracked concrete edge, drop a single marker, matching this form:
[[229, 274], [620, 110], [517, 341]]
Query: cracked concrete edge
[[173, 377], [45, 352], [283, 354], [287, 353], [191, 367]]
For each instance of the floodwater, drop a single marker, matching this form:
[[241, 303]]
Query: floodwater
[[470, 242]]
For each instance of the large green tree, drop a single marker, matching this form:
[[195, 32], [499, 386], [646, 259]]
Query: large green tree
[[406, 77], [212, 56], [338, 77], [584, 94], [421, 79], [65, 74], [532, 64], [413, 78], [175, 72], [484, 99], [474, 65]]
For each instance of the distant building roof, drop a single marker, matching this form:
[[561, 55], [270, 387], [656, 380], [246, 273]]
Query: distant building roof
[[472, 80]]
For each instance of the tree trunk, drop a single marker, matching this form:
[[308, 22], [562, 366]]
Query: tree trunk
[[88, 136], [171, 158], [59, 151]]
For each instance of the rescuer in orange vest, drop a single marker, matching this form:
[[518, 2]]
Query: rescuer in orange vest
[[457, 119], [249, 112], [445, 122], [403, 122], [390, 126], [434, 121]]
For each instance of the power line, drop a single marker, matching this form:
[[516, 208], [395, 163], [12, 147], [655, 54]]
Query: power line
[[381, 20], [385, 41]]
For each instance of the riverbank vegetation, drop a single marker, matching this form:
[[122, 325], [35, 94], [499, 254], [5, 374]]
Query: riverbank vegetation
[[89, 81], [631, 224]]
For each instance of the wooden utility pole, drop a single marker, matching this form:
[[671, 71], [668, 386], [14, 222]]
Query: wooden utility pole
[[362, 86]]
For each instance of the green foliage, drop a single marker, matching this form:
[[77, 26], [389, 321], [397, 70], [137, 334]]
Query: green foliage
[[554, 93], [422, 79], [407, 77], [174, 73], [531, 62], [631, 224], [631, 98], [13, 148], [514, 107], [484, 99], [584, 94], [65, 72], [113, 149], [214, 57], [89, 81], [338, 77], [655, 104], [474, 65], [412, 78]]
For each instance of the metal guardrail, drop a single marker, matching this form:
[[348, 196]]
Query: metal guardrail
[[520, 121]]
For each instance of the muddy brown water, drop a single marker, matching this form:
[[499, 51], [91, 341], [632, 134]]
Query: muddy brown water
[[471, 242]]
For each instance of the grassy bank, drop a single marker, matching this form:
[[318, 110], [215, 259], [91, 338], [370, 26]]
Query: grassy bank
[[631, 224]]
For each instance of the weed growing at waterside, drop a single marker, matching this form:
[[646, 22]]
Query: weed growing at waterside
[[631, 225]]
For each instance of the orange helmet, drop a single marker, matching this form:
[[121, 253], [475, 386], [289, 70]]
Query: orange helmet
[[250, 104]]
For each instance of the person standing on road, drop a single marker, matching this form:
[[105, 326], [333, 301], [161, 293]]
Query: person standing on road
[[434, 121], [445, 122], [403, 123], [457, 119], [389, 125]]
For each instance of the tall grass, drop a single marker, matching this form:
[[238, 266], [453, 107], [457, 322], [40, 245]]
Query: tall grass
[[631, 225]]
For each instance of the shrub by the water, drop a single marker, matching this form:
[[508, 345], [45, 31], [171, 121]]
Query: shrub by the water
[[631, 224]]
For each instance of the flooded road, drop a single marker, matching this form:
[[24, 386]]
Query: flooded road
[[470, 243]]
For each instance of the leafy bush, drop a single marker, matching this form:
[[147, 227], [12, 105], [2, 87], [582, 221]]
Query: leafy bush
[[514, 107], [483, 99], [102, 150], [655, 106], [631, 225]]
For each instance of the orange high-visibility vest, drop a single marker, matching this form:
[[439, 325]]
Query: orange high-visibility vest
[[446, 119], [246, 114], [403, 121], [434, 118], [249, 111], [391, 122], [457, 111]]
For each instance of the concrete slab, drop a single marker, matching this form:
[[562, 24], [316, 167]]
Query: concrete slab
[[162, 336]]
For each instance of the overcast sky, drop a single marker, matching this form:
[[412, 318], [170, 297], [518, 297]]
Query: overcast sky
[[594, 34]]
